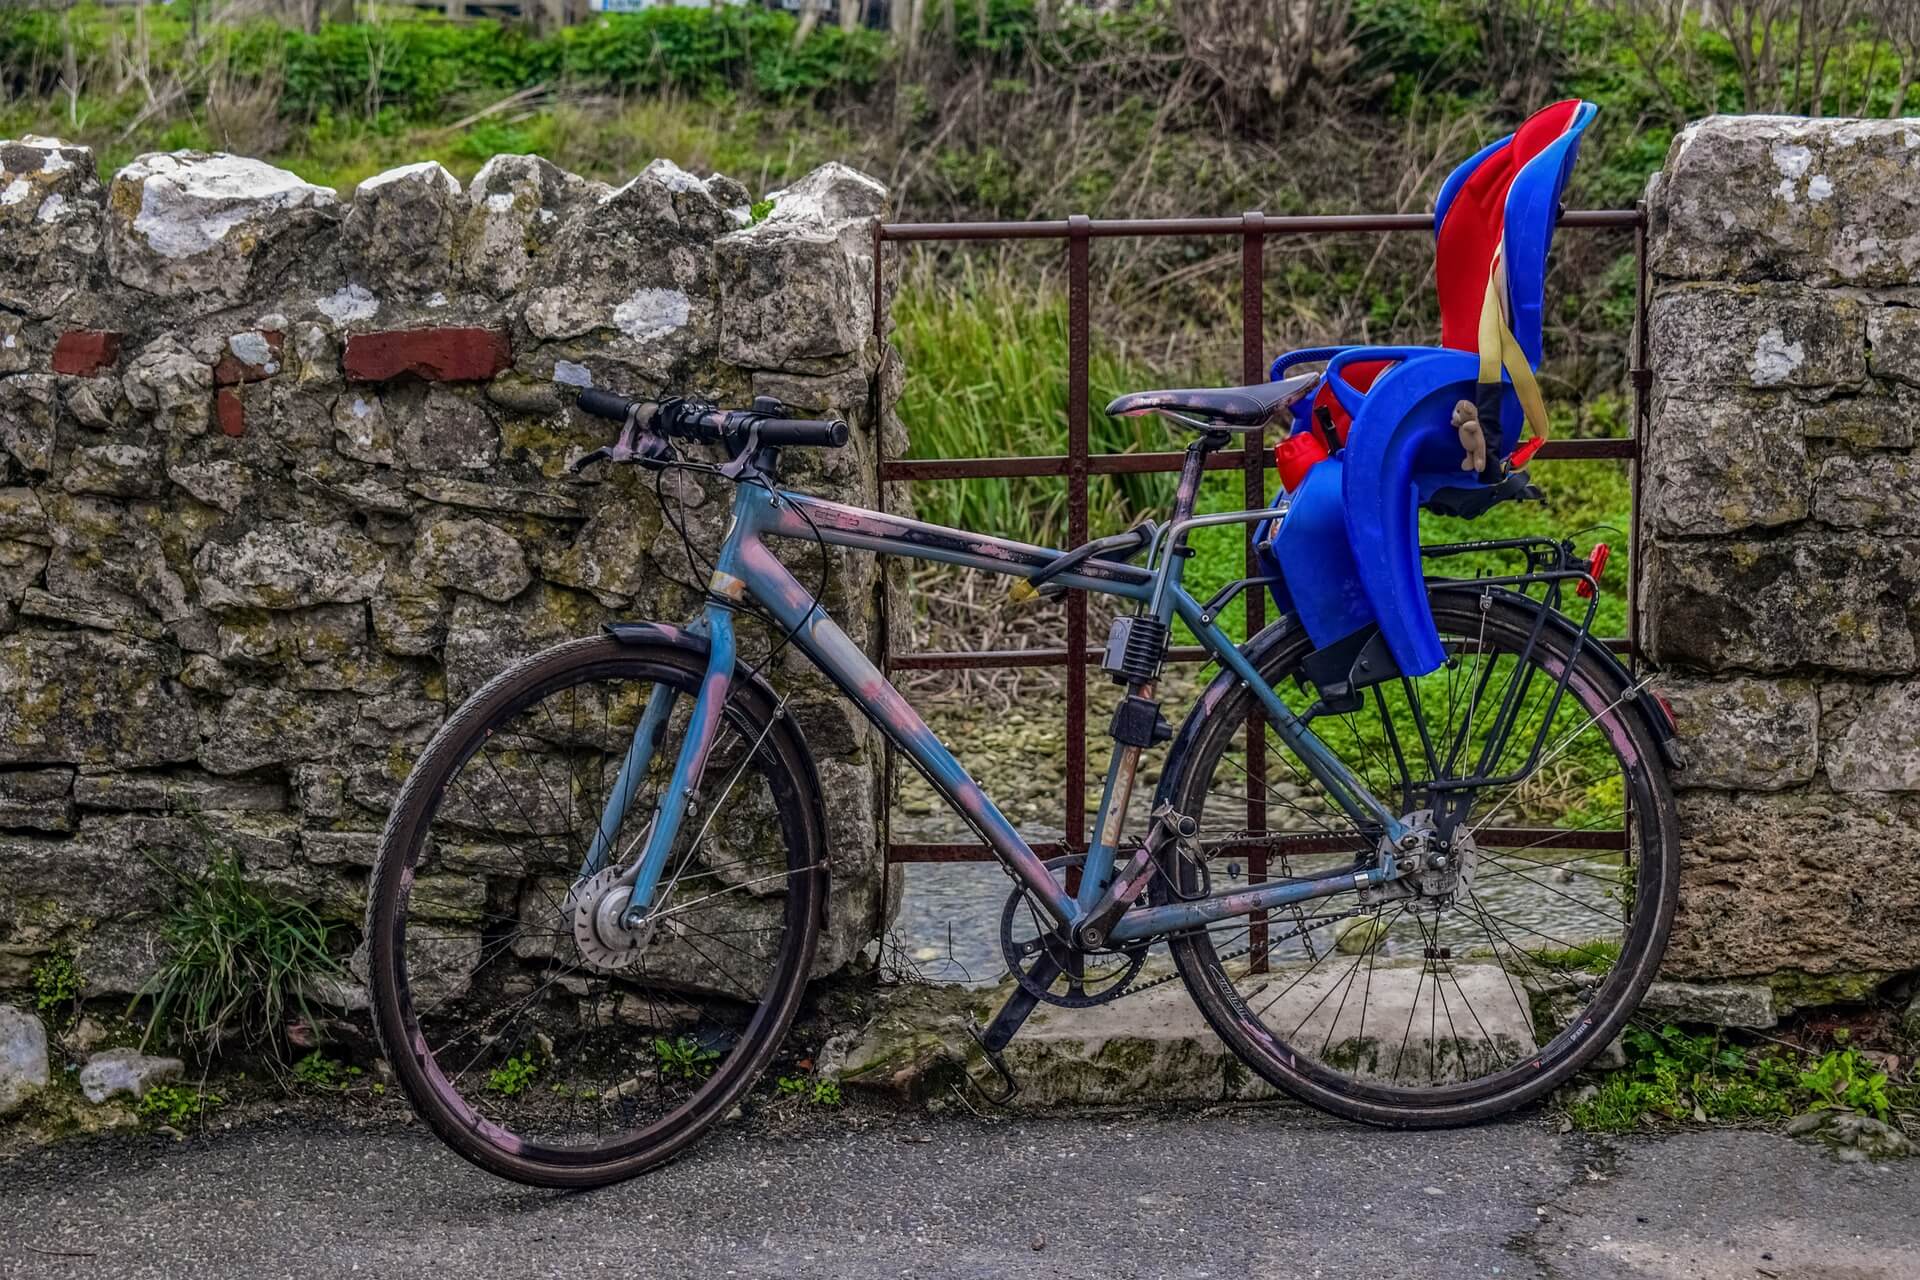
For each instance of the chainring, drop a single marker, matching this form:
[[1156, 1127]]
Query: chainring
[[1090, 977]]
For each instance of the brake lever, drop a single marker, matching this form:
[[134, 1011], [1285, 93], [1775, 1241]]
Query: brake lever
[[637, 443], [586, 460]]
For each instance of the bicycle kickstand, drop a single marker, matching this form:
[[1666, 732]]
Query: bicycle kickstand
[[994, 1038]]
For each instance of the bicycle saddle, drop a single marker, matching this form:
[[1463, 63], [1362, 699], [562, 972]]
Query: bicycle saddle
[[1218, 408]]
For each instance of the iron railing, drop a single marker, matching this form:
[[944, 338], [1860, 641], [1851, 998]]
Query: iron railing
[[1078, 464]]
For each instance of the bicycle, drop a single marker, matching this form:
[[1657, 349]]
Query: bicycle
[[651, 830]]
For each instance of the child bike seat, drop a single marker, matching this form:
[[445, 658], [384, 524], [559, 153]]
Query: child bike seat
[[1388, 430]]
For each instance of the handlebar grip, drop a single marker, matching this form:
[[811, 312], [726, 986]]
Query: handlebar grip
[[803, 431], [604, 404]]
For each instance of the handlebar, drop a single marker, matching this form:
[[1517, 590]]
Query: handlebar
[[703, 423]]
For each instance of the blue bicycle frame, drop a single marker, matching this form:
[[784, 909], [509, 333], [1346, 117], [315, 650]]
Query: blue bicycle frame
[[748, 570]]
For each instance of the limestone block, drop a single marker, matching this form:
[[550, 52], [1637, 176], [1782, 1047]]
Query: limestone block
[[483, 638], [1719, 1004], [23, 1058], [287, 566], [398, 233], [1754, 336], [21, 564], [1873, 422], [630, 280], [1843, 602], [50, 224], [210, 227], [259, 727], [790, 299], [1724, 463], [1877, 491], [37, 798], [169, 791], [1778, 881], [450, 431], [115, 558], [471, 555], [1880, 749], [172, 385], [29, 410], [518, 205], [117, 1071], [16, 353], [1743, 733], [407, 618], [113, 470], [1786, 198], [1894, 335], [355, 848], [83, 697]]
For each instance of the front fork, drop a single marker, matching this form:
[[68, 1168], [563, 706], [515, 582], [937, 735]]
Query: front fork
[[677, 802]]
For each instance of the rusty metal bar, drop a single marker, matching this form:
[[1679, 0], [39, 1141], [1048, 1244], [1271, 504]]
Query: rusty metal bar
[[1078, 325], [1253, 368], [1117, 464], [1641, 376], [1106, 228], [1609, 840], [988, 659]]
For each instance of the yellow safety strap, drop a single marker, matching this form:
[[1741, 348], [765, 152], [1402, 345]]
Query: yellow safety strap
[[1500, 349]]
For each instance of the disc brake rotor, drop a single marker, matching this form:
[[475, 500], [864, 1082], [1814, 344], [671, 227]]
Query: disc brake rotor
[[594, 906]]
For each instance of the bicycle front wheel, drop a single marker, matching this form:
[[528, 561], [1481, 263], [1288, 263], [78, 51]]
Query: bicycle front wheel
[[537, 1038], [1458, 994]]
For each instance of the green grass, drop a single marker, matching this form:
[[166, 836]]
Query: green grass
[[987, 361], [684, 1058], [322, 1074], [237, 959]]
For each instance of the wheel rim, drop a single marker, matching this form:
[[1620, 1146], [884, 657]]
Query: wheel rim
[[515, 1034], [1431, 1003]]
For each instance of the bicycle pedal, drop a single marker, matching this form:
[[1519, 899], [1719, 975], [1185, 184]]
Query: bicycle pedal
[[997, 1061]]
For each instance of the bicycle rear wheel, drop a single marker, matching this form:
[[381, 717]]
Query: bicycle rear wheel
[[1489, 985], [538, 1042]]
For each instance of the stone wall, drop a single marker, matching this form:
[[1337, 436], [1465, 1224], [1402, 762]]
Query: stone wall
[[284, 479], [1782, 539]]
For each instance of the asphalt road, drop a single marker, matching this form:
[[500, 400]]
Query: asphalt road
[[1250, 1193]]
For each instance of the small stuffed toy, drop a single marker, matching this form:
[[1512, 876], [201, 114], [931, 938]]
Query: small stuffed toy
[[1466, 423]]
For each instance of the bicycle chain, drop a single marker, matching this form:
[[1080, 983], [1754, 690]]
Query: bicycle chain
[[1130, 989]]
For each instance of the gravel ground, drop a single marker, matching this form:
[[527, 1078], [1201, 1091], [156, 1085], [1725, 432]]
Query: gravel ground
[[1262, 1192]]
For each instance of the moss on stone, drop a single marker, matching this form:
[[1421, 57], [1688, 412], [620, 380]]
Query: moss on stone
[[1795, 989]]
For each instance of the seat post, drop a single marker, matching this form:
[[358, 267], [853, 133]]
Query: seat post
[[1187, 493]]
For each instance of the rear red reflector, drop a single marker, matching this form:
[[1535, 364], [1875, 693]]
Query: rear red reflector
[[1596, 565], [1524, 454]]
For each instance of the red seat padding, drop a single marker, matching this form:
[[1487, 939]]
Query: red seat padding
[[1360, 375], [1471, 229]]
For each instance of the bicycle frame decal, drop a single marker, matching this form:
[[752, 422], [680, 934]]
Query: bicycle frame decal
[[747, 567]]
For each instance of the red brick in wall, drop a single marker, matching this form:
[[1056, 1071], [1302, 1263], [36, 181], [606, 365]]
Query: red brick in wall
[[85, 352], [439, 355], [229, 412]]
